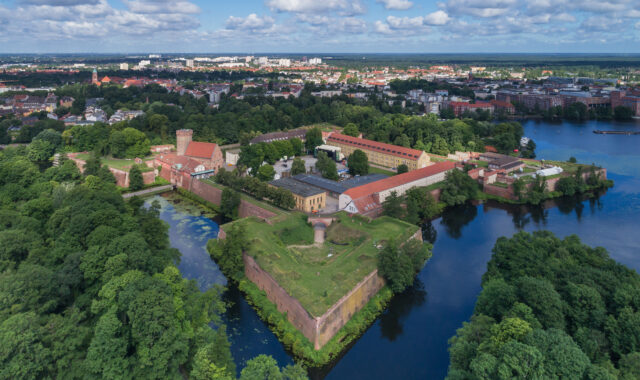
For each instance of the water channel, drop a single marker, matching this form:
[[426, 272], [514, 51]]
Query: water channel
[[409, 341]]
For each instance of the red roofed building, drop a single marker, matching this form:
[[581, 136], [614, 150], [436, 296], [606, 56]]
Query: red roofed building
[[461, 107], [507, 107], [209, 154], [367, 199], [191, 160], [387, 155]]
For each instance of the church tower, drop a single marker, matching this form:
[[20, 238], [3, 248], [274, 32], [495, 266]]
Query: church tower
[[183, 138], [94, 76]]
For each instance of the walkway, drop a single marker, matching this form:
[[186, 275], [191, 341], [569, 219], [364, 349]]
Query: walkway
[[148, 191]]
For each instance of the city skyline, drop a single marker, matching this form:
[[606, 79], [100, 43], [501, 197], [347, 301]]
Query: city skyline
[[333, 26]]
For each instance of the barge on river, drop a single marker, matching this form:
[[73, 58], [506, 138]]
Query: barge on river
[[628, 133]]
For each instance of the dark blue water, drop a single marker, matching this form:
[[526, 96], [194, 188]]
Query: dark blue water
[[409, 340], [189, 232]]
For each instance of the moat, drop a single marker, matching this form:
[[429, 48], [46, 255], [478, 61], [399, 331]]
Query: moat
[[409, 340]]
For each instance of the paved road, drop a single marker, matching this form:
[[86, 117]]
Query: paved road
[[147, 191]]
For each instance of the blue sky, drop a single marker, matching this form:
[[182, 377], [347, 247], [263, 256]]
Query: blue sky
[[319, 26]]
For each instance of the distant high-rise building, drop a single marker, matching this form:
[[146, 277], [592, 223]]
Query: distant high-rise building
[[315, 61], [189, 62], [124, 66]]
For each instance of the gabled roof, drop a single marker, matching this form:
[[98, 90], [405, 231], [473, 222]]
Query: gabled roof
[[200, 149], [394, 150], [397, 180]]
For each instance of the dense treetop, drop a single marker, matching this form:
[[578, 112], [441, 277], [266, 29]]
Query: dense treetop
[[551, 309]]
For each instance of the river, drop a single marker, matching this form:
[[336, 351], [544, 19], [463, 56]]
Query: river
[[409, 341]]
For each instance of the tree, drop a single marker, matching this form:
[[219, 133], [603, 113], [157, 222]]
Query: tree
[[326, 166], [136, 182], [392, 206], [358, 163], [296, 145], [298, 167], [262, 367], [266, 173], [496, 298], [40, 151], [228, 252], [566, 185], [351, 130], [313, 139], [403, 168], [458, 188], [229, 204], [622, 113], [398, 264]]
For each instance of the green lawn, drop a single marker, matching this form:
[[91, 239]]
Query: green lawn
[[437, 185], [318, 276], [377, 170], [482, 164], [116, 163]]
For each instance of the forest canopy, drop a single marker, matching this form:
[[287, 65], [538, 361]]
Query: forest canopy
[[550, 309]]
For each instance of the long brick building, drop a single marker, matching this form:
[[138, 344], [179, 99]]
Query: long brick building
[[367, 199], [387, 155]]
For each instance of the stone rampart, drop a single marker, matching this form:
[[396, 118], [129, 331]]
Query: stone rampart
[[319, 330], [214, 195], [296, 314], [341, 312]]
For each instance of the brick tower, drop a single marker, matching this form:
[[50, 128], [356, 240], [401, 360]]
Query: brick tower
[[183, 138]]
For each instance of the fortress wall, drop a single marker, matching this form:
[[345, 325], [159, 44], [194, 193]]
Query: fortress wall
[[214, 195], [342, 311], [296, 314]]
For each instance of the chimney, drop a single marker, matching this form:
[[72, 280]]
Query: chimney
[[183, 138]]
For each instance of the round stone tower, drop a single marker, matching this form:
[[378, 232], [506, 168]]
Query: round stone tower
[[183, 138]]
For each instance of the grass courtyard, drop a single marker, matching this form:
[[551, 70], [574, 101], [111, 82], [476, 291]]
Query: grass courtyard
[[116, 163], [319, 275]]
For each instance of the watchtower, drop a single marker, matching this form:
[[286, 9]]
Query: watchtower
[[183, 138]]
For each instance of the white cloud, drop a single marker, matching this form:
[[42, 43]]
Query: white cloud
[[382, 27], [405, 22], [401, 5], [58, 3], [437, 18], [480, 8], [345, 7], [161, 6], [253, 21]]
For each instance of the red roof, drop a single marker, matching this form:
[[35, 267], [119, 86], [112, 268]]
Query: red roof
[[400, 179], [502, 104], [200, 149], [187, 164], [470, 105], [394, 150]]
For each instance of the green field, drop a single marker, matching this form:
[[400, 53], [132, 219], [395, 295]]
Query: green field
[[319, 275], [116, 163], [377, 170]]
